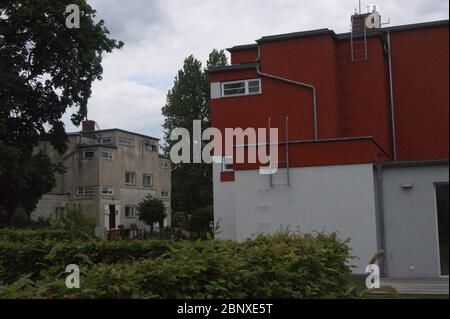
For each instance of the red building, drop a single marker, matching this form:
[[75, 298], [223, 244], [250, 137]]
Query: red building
[[363, 139]]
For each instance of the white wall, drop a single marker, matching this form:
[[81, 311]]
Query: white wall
[[331, 199]]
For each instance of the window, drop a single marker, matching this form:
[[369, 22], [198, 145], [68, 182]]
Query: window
[[88, 155], [108, 191], [165, 164], [130, 178], [227, 164], [243, 87], [131, 212], [126, 142], [85, 191], [151, 148], [148, 181], [105, 140], [108, 156], [165, 194]]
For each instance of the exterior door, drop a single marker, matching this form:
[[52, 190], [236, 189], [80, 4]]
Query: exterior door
[[112, 217]]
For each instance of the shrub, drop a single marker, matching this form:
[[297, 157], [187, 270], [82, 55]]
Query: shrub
[[29, 235], [76, 223], [38, 258], [280, 266]]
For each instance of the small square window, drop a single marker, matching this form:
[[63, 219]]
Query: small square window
[[227, 164], [131, 212], [108, 156], [108, 191], [151, 148], [88, 155], [148, 181], [130, 178], [165, 194]]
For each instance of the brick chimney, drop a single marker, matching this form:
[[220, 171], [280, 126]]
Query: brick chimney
[[88, 126]]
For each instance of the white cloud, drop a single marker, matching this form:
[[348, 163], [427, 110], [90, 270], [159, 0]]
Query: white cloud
[[159, 34]]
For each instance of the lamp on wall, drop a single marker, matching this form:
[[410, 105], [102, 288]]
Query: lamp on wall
[[407, 186]]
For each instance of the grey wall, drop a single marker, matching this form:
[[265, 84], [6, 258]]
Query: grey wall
[[411, 220], [331, 199]]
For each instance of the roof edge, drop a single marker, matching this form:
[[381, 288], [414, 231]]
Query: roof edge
[[243, 47], [235, 67], [112, 130]]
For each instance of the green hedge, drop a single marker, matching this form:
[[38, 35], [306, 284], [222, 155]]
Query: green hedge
[[34, 257], [280, 266], [27, 235]]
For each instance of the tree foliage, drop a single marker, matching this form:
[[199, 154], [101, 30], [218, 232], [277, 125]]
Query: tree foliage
[[152, 211], [187, 101], [45, 68], [200, 221]]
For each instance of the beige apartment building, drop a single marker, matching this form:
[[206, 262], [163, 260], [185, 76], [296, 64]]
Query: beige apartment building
[[108, 173]]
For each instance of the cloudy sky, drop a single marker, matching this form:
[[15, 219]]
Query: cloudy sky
[[159, 34]]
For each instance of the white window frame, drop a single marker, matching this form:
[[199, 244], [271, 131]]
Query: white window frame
[[163, 194], [134, 179], [82, 191], [105, 141], [126, 142], [165, 165], [227, 160], [151, 147], [247, 91], [107, 191], [88, 158], [143, 180], [134, 213], [109, 157]]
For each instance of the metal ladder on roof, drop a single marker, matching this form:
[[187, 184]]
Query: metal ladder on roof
[[359, 47], [282, 176]]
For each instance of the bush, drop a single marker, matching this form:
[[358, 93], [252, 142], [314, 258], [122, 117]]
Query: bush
[[280, 266], [38, 258], [30, 235], [76, 223]]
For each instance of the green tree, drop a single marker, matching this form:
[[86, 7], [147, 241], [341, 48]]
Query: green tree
[[200, 221], [152, 211], [187, 101], [45, 68]]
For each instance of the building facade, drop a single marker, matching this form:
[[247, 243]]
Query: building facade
[[108, 173], [363, 140]]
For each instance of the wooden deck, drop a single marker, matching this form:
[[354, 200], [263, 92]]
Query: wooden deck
[[418, 286]]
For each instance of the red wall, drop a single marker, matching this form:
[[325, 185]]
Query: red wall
[[310, 60], [353, 98], [420, 71], [244, 56], [364, 93]]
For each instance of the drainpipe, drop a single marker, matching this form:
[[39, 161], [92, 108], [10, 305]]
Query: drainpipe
[[380, 210], [391, 93], [304, 85]]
